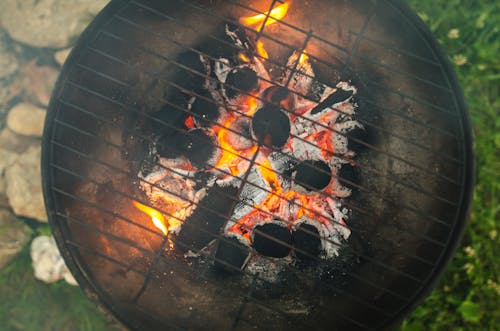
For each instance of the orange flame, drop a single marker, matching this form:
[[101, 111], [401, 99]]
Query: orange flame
[[257, 21], [261, 50], [230, 157], [244, 58], [303, 57], [156, 216]]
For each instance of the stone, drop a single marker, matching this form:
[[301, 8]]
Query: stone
[[47, 23], [6, 159], [14, 234], [37, 82], [24, 185], [26, 119], [8, 61], [15, 143], [47, 261], [62, 55]]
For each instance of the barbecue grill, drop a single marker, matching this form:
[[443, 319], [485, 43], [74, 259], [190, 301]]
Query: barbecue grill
[[238, 165]]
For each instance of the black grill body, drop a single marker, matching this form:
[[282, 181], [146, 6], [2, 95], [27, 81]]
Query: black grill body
[[411, 189]]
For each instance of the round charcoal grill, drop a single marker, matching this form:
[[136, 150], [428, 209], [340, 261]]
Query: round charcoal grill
[[257, 165]]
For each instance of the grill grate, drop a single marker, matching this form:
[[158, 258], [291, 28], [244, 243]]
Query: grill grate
[[381, 289]]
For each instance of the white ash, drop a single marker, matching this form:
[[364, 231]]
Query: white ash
[[221, 69], [302, 78], [253, 193], [280, 162], [167, 186], [267, 268], [47, 261], [234, 136], [173, 190], [318, 136]]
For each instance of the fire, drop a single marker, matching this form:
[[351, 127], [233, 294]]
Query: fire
[[261, 50], [303, 57], [290, 204], [244, 58], [230, 157], [257, 21], [156, 216]]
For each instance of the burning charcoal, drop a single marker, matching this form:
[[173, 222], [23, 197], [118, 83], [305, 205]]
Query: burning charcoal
[[207, 219], [205, 111], [271, 126], [231, 254], [271, 246], [191, 80], [170, 116], [313, 175], [242, 79], [359, 134], [346, 174], [197, 146], [307, 242], [275, 94], [239, 136], [338, 96]]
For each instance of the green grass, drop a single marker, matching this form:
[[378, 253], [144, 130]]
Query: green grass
[[468, 295], [28, 304]]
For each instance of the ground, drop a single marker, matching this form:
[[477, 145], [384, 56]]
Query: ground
[[467, 296]]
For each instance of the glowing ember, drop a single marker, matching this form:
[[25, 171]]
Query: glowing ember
[[156, 216], [303, 57], [307, 196], [244, 58], [189, 122], [256, 21]]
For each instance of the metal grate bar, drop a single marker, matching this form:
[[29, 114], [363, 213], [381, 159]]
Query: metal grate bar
[[398, 50], [128, 267], [164, 322], [275, 63], [168, 262], [406, 74], [264, 189], [418, 189], [374, 261], [70, 172], [204, 10], [355, 47], [409, 119], [345, 202], [97, 253], [368, 145], [340, 133], [225, 194], [268, 37], [151, 269], [244, 302], [238, 4], [104, 210], [114, 261], [99, 231], [180, 243], [296, 64], [266, 19], [214, 235], [435, 219]]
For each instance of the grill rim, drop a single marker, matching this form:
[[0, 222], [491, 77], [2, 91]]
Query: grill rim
[[91, 289]]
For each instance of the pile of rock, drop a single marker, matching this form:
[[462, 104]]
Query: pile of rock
[[43, 27]]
